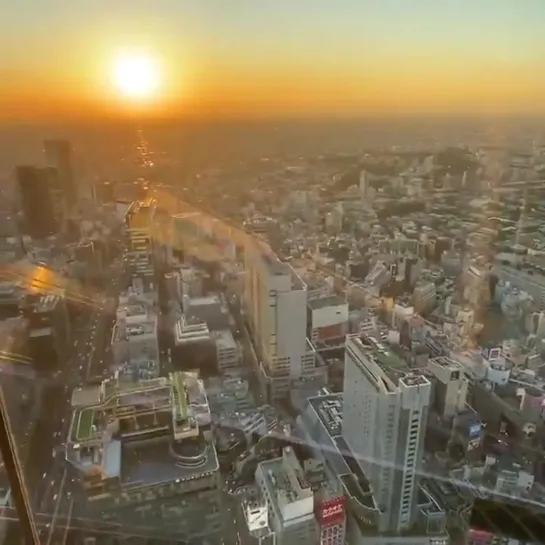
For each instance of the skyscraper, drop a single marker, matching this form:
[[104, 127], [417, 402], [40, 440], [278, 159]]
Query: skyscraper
[[58, 155], [37, 201], [384, 422], [276, 303]]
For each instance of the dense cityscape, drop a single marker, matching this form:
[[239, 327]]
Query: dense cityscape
[[334, 349]]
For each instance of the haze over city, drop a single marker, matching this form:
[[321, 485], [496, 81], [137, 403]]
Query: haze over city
[[272, 272]]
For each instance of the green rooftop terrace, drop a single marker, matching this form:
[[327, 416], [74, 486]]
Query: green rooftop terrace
[[85, 424]]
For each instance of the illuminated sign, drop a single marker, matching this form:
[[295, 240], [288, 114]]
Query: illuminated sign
[[474, 430], [332, 510], [479, 536], [329, 512]]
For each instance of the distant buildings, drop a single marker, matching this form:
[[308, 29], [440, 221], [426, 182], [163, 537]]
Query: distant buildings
[[37, 202], [58, 155]]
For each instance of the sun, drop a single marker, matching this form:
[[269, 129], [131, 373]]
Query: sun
[[137, 75]]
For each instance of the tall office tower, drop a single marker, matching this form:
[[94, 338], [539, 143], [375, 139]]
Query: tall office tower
[[58, 155], [138, 221], [37, 201], [162, 236], [58, 200], [276, 303], [384, 422]]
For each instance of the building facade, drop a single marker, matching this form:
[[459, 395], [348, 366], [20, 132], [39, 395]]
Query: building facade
[[37, 201], [59, 156], [384, 421], [276, 306], [143, 456]]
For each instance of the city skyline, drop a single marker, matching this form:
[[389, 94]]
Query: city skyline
[[280, 59]]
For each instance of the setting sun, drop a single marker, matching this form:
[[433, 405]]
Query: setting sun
[[137, 75]]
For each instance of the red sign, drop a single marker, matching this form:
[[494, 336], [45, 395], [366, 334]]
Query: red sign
[[331, 511], [479, 537]]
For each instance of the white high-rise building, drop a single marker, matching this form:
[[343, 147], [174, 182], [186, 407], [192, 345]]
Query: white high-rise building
[[384, 422], [276, 303], [138, 222]]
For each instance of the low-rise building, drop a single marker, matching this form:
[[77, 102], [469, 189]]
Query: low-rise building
[[228, 353], [134, 335], [328, 319], [194, 348], [305, 501]]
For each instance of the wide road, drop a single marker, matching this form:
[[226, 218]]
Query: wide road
[[44, 464], [233, 524], [90, 338]]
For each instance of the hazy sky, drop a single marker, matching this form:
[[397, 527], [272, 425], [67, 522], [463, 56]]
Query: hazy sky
[[289, 57]]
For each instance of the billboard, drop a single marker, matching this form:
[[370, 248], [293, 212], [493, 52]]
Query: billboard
[[475, 430], [492, 354], [331, 511]]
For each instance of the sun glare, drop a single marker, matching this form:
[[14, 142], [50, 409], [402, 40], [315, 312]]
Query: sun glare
[[137, 75]]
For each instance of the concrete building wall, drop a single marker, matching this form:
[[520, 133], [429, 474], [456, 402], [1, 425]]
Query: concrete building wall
[[385, 429]]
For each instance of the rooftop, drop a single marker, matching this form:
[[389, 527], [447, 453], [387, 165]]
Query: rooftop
[[257, 518], [146, 464], [224, 339], [206, 300], [188, 330], [329, 409], [274, 265], [329, 301], [41, 332], [181, 396], [134, 309], [291, 494], [169, 410], [378, 360], [447, 363]]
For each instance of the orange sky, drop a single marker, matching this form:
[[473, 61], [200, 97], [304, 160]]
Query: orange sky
[[287, 92], [346, 58]]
